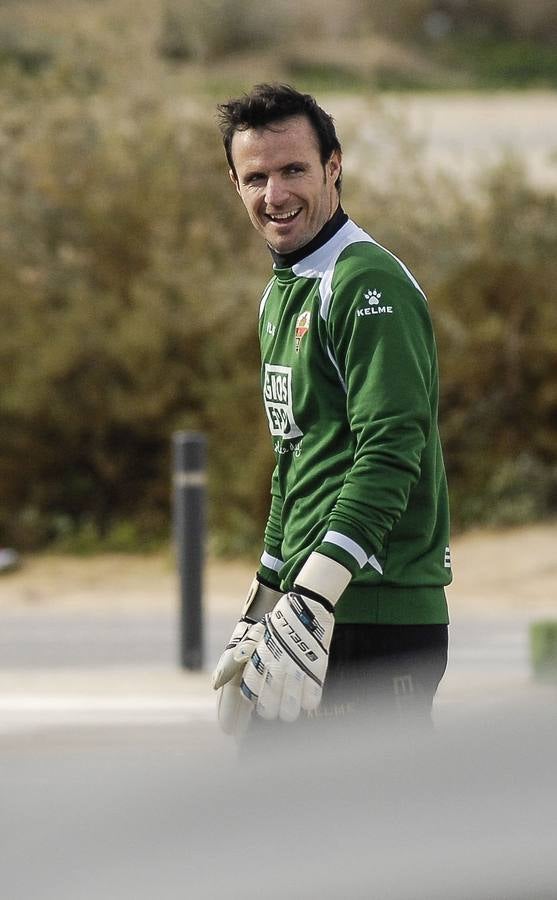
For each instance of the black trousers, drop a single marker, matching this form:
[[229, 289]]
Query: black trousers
[[378, 675], [386, 670]]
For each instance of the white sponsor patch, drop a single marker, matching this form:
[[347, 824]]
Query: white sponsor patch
[[277, 394]]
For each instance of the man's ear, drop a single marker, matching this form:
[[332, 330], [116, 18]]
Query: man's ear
[[233, 179], [334, 166]]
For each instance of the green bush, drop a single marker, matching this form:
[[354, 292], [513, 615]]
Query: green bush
[[543, 649], [498, 345], [128, 298], [129, 284], [26, 54], [215, 28], [487, 257]]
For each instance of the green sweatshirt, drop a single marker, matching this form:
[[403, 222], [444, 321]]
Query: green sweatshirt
[[350, 387]]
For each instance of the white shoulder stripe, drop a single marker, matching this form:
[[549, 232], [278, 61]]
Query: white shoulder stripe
[[335, 364], [321, 264], [404, 268], [266, 293], [322, 260]]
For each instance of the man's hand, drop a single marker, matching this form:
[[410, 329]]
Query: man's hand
[[287, 668], [232, 709], [244, 639]]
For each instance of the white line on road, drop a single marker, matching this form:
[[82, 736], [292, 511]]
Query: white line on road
[[53, 710]]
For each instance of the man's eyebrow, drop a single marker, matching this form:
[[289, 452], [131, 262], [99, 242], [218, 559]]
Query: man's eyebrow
[[293, 163]]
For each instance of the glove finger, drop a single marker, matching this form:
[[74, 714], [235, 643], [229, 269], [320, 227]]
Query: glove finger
[[246, 647], [252, 677], [234, 658], [233, 710], [268, 703], [226, 667], [311, 694], [244, 712], [225, 670], [291, 699]]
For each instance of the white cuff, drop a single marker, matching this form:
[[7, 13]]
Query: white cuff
[[271, 562], [324, 576], [351, 547], [261, 599]]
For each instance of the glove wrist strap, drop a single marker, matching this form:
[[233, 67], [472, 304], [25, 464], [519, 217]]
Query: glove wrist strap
[[261, 599], [311, 595], [323, 576]]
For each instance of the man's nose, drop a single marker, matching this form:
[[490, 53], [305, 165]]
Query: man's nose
[[275, 192]]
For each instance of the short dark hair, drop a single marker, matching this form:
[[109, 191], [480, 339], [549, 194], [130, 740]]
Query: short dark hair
[[268, 103]]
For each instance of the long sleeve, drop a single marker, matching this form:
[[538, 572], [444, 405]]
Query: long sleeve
[[271, 559], [350, 387], [385, 353]]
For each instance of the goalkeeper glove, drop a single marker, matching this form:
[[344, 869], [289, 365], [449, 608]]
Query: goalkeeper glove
[[287, 668], [232, 709]]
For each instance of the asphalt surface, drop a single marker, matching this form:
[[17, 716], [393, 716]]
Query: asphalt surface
[[466, 814], [85, 673], [116, 782], [61, 640]]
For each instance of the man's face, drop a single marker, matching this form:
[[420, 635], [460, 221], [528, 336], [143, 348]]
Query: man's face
[[288, 193]]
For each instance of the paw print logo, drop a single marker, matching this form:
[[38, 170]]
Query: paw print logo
[[373, 297]]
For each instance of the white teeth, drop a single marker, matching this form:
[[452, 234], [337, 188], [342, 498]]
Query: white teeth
[[280, 217]]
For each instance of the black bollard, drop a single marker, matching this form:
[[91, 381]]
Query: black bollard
[[190, 477]]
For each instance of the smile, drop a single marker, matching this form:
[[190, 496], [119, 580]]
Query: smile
[[284, 217]]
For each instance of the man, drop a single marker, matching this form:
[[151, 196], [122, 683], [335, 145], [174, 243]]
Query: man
[[356, 546]]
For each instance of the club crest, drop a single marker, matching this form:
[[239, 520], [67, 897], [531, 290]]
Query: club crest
[[302, 327]]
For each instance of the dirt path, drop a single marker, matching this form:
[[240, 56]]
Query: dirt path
[[510, 570], [495, 572], [463, 133]]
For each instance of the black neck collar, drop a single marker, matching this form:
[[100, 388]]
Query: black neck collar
[[287, 260]]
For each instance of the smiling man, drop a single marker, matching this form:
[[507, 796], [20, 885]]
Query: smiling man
[[288, 191], [347, 613]]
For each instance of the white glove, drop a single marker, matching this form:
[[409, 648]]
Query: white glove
[[287, 668], [233, 710]]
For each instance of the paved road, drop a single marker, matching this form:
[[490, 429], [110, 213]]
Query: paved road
[[38, 639], [499, 644], [87, 671], [116, 783], [136, 814]]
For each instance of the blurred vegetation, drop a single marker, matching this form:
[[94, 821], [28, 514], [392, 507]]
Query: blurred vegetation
[[400, 44], [224, 44], [130, 275], [543, 650]]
